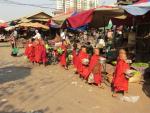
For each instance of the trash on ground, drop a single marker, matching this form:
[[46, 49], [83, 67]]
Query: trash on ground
[[132, 99], [3, 100]]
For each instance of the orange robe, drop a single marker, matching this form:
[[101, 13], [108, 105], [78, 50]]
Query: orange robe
[[120, 82], [97, 75]]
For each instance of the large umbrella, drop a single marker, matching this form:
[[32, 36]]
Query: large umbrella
[[34, 25]]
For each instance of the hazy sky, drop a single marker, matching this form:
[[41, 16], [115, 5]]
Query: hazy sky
[[9, 11]]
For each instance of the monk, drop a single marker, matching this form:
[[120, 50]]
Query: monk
[[29, 51], [120, 82], [74, 54], [63, 55], [43, 53], [81, 68], [95, 67], [38, 52]]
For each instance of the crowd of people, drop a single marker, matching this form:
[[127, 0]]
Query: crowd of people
[[88, 65]]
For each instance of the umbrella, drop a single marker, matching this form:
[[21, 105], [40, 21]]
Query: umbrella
[[34, 25]]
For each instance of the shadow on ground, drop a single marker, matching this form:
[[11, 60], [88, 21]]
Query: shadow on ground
[[146, 85], [16, 111], [13, 73]]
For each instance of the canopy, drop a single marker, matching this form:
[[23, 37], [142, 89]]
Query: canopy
[[102, 16], [139, 8], [80, 19], [35, 25]]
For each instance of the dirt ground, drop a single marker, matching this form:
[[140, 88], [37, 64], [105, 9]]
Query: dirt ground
[[51, 89]]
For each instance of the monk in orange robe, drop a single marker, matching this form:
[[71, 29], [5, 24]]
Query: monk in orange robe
[[120, 82], [95, 67]]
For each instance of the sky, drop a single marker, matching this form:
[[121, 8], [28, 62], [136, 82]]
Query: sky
[[9, 11]]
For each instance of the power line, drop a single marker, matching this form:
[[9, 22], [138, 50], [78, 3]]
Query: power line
[[25, 4]]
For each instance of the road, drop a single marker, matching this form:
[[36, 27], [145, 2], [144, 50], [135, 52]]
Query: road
[[51, 89]]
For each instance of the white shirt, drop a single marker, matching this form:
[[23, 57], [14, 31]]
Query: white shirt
[[37, 36], [63, 35]]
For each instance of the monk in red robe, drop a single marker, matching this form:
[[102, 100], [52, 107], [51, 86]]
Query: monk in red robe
[[120, 82], [29, 51], [82, 69], [43, 53], [38, 52], [95, 67], [63, 55], [74, 54]]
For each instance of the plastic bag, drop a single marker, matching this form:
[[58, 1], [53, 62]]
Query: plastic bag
[[132, 99], [91, 78]]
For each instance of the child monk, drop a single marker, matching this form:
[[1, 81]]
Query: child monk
[[82, 68], [63, 55], [29, 51], [95, 67], [120, 82]]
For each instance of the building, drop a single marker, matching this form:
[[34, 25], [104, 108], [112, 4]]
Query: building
[[70, 5]]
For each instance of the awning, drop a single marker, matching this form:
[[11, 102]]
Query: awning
[[34, 25], [139, 8]]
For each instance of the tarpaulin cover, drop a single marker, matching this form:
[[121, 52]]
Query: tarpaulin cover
[[81, 19], [139, 8]]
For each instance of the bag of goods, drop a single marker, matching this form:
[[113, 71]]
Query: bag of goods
[[85, 61], [136, 77], [91, 78]]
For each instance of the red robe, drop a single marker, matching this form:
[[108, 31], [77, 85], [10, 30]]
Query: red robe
[[63, 56], [97, 76], [29, 52], [43, 54], [120, 82], [38, 53], [82, 69], [74, 58]]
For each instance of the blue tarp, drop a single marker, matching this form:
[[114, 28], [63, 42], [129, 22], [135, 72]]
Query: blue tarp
[[135, 10]]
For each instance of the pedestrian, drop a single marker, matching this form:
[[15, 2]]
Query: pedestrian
[[120, 82]]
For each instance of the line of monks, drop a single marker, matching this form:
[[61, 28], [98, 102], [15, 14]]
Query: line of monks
[[84, 64]]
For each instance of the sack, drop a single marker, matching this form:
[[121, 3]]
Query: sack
[[91, 78]]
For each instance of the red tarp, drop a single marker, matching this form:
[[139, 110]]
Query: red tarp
[[3, 25], [142, 1], [81, 19]]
